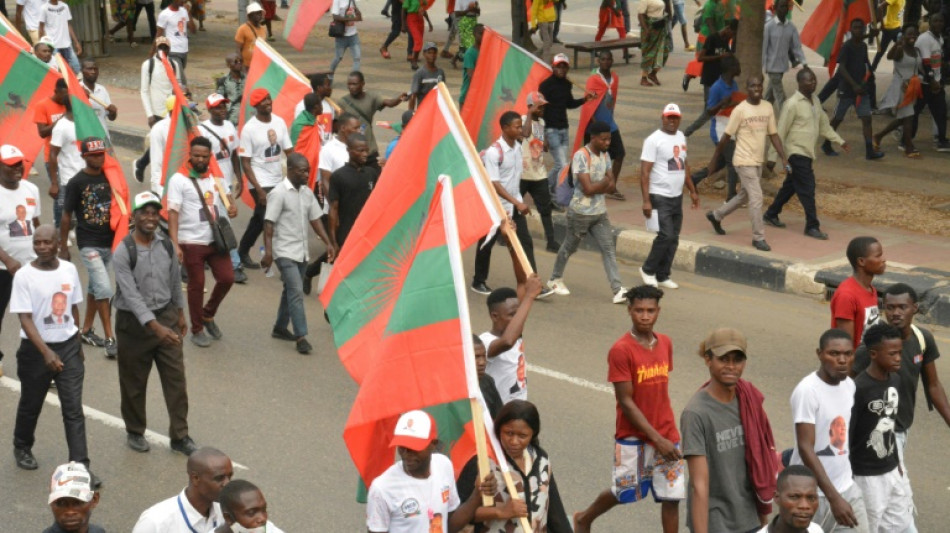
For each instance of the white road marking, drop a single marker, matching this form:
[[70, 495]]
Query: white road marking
[[580, 382], [578, 25], [104, 418]]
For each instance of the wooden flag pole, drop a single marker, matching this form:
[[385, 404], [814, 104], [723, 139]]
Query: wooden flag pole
[[483, 176], [484, 469], [336, 107], [262, 42]]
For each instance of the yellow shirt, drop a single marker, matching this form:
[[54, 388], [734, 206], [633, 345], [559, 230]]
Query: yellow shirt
[[802, 124], [750, 125], [892, 16]]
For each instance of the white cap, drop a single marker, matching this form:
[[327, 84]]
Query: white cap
[[254, 7], [561, 58], [414, 430], [10, 155], [71, 480], [672, 110], [214, 99]]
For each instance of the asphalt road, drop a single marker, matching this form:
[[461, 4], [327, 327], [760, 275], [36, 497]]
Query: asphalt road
[[280, 415]]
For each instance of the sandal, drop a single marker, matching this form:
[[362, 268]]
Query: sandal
[[385, 53], [645, 82], [913, 154], [617, 196], [654, 79]]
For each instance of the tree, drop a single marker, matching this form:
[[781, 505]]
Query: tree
[[749, 39]]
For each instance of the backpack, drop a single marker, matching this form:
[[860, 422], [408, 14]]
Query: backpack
[[497, 145], [129, 243], [564, 191]]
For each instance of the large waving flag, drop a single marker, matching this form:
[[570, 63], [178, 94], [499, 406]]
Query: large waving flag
[[88, 125], [503, 77], [596, 85], [8, 30], [825, 29], [24, 82], [287, 85], [370, 269], [301, 19], [425, 359]]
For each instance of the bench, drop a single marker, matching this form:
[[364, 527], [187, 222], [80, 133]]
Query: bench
[[593, 47]]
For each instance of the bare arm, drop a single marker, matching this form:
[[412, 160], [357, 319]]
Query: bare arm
[[76, 44], [54, 171], [514, 330], [805, 436], [846, 326], [268, 245], [238, 167], [935, 390], [699, 488], [321, 232], [646, 167], [623, 392]]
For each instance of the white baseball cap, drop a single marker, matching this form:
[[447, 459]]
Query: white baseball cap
[[561, 58], [214, 100], [71, 480], [254, 7], [672, 110], [10, 155], [414, 430], [145, 198]]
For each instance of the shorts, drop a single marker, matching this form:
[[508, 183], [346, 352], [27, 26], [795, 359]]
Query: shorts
[[97, 262], [862, 106], [616, 150], [638, 470], [679, 13]]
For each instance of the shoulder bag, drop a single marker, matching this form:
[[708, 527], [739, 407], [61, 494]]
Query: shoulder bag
[[338, 27], [223, 239]]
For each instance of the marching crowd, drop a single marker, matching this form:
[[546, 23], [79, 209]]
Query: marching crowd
[[850, 417]]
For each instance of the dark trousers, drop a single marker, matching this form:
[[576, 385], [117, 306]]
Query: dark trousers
[[937, 102], [6, 288], [725, 159], [542, 201], [149, 14], [670, 216], [483, 254], [801, 182], [396, 27], [255, 226], [196, 255], [144, 160], [139, 348], [34, 384]]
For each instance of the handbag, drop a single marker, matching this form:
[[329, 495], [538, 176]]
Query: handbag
[[338, 27], [223, 239]]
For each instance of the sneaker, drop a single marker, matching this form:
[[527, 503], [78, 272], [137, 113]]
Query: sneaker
[[873, 154], [282, 333], [24, 459], [481, 288], [240, 276], [816, 233], [558, 286], [553, 247], [112, 349], [139, 171], [92, 339], [762, 246], [249, 263], [545, 292], [212, 328], [668, 284], [185, 446], [717, 225], [303, 347], [201, 339], [773, 221], [648, 279], [137, 442], [620, 297], [617, 196]]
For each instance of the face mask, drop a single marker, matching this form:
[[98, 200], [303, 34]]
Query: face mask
[[238, 528]]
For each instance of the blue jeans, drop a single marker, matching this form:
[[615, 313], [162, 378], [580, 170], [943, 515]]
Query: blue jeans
[[558, 140], [578, 226], [97, 262], [69, 55], [58, 205], [342, 43], [625, 9], [235, 259], [291, 310]]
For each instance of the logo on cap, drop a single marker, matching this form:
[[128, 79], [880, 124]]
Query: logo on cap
[[561, 58], [92, 146], [672, 110]]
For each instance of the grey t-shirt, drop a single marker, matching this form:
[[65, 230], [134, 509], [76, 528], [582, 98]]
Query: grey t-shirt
[[365, 109], [713, 429], [424, 80]]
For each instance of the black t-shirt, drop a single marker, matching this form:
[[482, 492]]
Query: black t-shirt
[[913, 360], [557, 91], [351, 187], [712, 70], [89, 199], [871, 437], [854, 59]]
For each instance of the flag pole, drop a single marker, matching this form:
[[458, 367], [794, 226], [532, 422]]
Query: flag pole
[[483, 176], [295, 70], [484, 469]]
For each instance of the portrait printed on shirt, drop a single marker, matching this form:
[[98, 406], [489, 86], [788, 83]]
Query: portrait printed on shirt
[[181, 28], [324, 124], [838, 436], [22, 226], [223, 153], [678, 161], [58, 316], [882, 437], [272, 153], [208, 197]]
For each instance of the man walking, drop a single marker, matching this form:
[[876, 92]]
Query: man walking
[[46, 296], [263, 138], [174, 24], [663, 171], [779, 42], [751, 124], [931, 49], [364, 105], [606, 85], [587, 212], [150, 326], [350, 187], [291, 207], [345, 11], [54, 21], [98, 95], [89, 196], [534, 179], [231, 86], [801, 124], [155, 87], [196, 198], [556, 89]]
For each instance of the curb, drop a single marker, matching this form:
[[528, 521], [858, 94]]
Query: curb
[[817, 281]]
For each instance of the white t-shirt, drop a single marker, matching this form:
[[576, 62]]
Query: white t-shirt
[[56, 18], [400, 503], [157, 138], [175, 24], [50, 296], [264, 143], [504, 164], [812, 528], [193, 226], [828, 407], [931, 50], [101, 94], [16, 234], [70, 161], [333, 155], [166, 517], [508, 370], [342, 8], [223, 148], [532, 151], [31, 13], [668, 155]]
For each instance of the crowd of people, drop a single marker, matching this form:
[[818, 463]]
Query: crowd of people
[[850, 417]]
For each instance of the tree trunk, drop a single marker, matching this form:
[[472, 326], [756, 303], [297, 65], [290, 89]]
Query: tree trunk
[[749, 39]]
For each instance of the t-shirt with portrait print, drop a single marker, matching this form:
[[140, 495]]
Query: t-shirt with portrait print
[[49, 295], [828, 408], [89, 200], [264, 142], [175, 24], [18, 208], [508, 369], [400, 503], [224, 140], [668, 155], [193, 226]]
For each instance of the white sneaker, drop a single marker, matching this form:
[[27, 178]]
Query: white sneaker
[[669, 284], [620, 296], [558, 286], [71, 238], [648, 279]]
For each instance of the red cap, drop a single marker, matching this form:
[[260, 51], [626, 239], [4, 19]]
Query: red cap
[[257, 96], [215, 100], [10, 155]]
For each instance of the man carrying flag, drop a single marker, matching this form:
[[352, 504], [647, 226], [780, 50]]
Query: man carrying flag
[[604, 85], [557, 91]]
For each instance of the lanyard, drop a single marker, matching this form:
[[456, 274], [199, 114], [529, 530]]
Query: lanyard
[[184, 516]]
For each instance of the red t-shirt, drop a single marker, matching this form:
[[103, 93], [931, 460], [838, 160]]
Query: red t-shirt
[[47, 112], [649, 371], [853, 302]]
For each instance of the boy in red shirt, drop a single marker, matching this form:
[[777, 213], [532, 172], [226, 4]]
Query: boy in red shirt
[[647, 454], [854, 304]]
